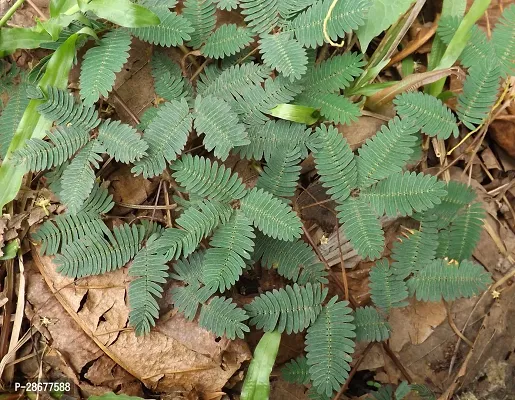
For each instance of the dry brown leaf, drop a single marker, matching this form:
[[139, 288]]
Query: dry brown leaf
[[3, 228], [415, 323], [177, 355], [503, 133], [361, 130]]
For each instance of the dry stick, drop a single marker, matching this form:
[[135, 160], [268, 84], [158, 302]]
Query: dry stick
[[397, 362], [38, 11], [458, 342], [354, 370], [157, 198], [125, 106], [9, 293], [315, 247], [167, 202], [454, 327], [415, 44], [199, 70]]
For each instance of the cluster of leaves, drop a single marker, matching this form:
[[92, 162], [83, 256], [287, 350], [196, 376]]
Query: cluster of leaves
[[230, 109]]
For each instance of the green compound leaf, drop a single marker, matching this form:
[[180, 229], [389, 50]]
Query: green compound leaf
[[445, 280], [335, 162], [296, 371], [101, 64], [404, 193], [173, 29], [284, 54], [370, 325], [386, 289], [166, 136], [291, 309], [362, 227], [220, 125], [329, 345], [271, 215], [432, 116], [227, 40], [205, 178], [222, 317], [231, 245]]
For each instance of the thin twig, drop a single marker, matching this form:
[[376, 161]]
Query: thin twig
[[454, 327], [315, 247], [125, 106], [397, 362], [38, 11]]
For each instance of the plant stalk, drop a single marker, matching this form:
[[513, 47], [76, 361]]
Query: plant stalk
[[459, 41], [10, 12]]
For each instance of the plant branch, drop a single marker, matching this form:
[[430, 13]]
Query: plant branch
[[10, 12]]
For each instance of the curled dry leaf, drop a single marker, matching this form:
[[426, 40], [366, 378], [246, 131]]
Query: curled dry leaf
[[177, 355]]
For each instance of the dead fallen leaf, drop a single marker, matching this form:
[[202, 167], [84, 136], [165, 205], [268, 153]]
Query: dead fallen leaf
[[172, 357], [3, 228], [503, 133], [130, 189], [414, 323], [361, 130]]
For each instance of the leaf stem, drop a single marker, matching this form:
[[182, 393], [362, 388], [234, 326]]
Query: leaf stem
[[10, 12]]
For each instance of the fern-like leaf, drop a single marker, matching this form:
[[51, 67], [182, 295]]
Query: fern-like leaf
[[285, 54], [151, 273], [370, 325], [220, 125], [465, 232], [197, 223], [205, 178], [95, 255], [416, 250], [290, 8], [231, 245], [11, 116], [168, 80], [166, 136], [39, 154], [296, 371], [233, 81], [271, 216], [334, 74], [121, 141], [227, 40], [79, 177], [67, 228], [446, 280], [387, 152], [386, 289], [201, 16], [101, 63], [287, 257], [403, 193], [334, 107], [291, 309], [335, 162], [266, 139], [256, 101], [362, 227], [227, 5], [189, 270], [173, 29], [61, 107], [432, 116], [503, 40], [260, 15], [281, 173], [187, 299], [458, 196], [329, 345], [480, 91], [346, 16], [222, 317]]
